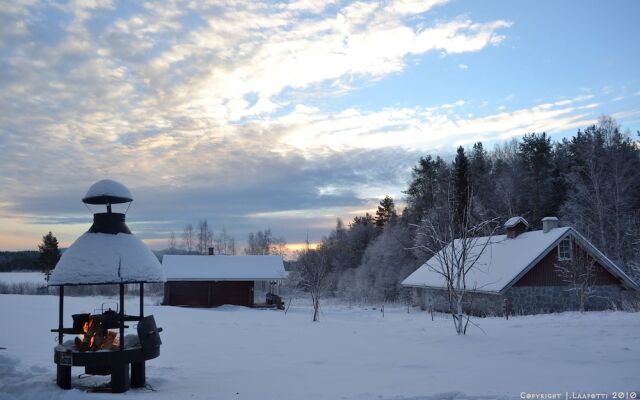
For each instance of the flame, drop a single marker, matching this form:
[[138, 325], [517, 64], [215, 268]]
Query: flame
[[87, 325], [91, 332], [116, 341]]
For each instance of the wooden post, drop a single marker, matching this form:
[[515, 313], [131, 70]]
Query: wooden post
[[60, 314], [122, 317], [141, 300], [63, 372], [138, 369]]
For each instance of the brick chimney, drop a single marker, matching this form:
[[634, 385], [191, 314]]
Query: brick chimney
[[548, 223], [211, 251], [515, 226]]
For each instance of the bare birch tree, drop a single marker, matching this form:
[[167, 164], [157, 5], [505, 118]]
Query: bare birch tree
[[265, 243], [172, 241], [580, 274], [188, 238], [205, 237], [456, 245], [314, 270], [225, 244]]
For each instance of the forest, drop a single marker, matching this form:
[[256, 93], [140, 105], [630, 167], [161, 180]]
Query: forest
[[591, 181]]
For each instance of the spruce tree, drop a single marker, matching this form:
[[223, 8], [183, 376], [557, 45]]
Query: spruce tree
[[49, 254], [482, 185], [427, 180], [461, 187], [535, 152], [386, 212]]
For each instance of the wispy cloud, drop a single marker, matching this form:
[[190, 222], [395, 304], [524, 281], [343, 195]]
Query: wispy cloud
[[210, 108]]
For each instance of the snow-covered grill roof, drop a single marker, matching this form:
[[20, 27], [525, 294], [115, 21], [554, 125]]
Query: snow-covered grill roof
[[107, 191], [108, 253], [505, 261], [223, 268], [97, 258]]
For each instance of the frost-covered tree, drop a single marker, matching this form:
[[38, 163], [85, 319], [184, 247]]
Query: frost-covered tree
[[506, 176], [173, 244], [224, 244], [205, 237], [188, 238], [603, 196], [385, 263], [427, 180], [580, 274], [455, 249], [313, 267], [265, 243]]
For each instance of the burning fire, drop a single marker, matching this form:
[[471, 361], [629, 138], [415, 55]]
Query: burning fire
[[95, 337], [85, 328]]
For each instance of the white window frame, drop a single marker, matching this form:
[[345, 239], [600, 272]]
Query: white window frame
[[560, 255]]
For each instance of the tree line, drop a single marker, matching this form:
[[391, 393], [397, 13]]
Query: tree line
[[591, 181], [200, 239]]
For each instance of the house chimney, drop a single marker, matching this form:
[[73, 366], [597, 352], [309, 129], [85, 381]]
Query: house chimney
[[548, 223], [515, 226], [211, 251]]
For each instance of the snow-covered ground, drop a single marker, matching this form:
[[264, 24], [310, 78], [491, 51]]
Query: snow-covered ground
[[22, 277], [353, 353]]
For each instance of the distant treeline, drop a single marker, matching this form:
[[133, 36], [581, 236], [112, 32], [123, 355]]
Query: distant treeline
[[19, 260], [591, 181]]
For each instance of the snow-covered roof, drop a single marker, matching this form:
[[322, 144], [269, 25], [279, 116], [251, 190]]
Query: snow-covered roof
[[106, 258], [108, 188], [223, 268], [504, 260], [513, 221]]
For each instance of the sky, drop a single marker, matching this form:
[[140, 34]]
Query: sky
[[283, 115]]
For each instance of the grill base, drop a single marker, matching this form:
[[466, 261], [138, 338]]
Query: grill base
[[115, 363]]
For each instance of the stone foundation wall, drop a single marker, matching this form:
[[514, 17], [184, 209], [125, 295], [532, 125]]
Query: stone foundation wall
[[549, 299], [525, 300], [479, 304]]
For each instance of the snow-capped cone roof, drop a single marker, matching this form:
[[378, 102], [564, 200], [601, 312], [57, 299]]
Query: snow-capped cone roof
[[513, 221], [107, 191], [106, 258], [505, 260], [223, 268]]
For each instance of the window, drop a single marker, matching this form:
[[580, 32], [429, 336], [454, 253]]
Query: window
[[564, 250]]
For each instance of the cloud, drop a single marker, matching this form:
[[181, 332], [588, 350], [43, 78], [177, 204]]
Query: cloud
[[203, 114], [425, 127]]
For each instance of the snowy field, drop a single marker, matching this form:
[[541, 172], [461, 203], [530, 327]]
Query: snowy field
[[353, 353], [36, 278]]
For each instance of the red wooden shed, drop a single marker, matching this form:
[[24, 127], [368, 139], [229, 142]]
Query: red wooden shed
[[211, 281]]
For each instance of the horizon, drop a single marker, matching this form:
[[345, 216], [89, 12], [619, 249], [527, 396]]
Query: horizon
[[312, 112]]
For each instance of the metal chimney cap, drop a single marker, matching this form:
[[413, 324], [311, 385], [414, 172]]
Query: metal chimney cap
[[107, 191]]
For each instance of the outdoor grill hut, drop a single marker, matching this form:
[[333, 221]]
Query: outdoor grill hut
[[107, 254]]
